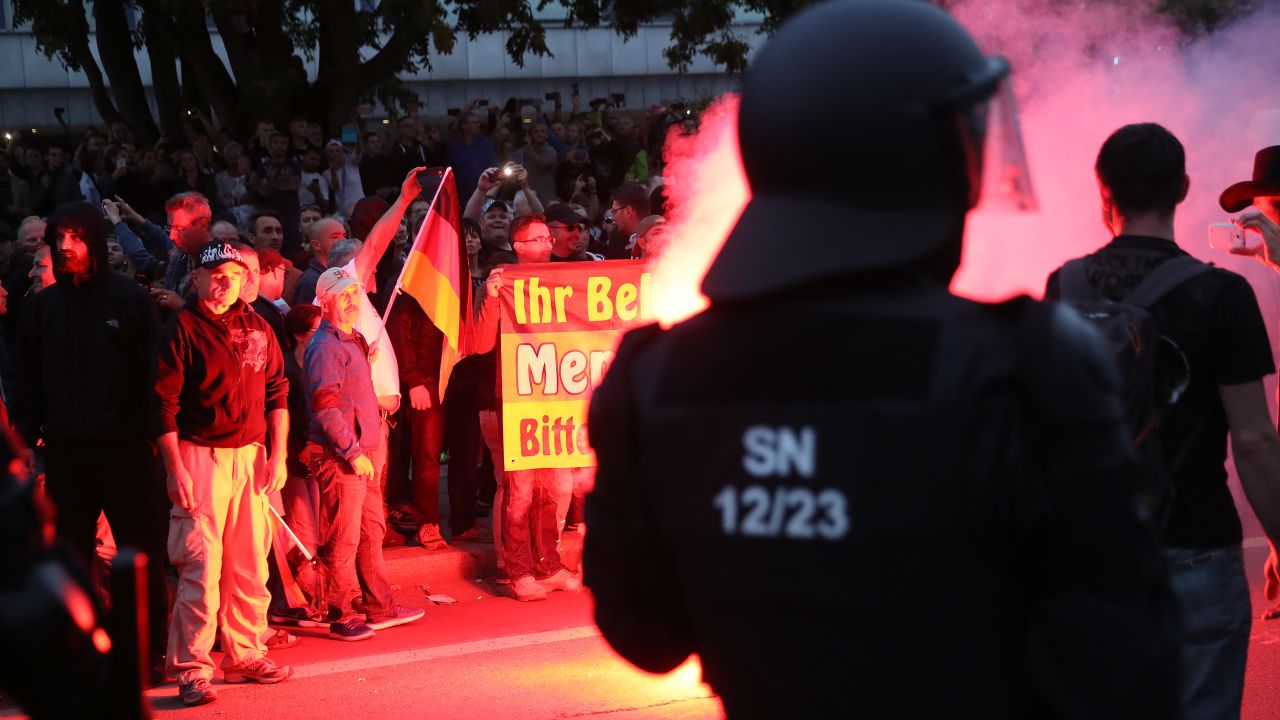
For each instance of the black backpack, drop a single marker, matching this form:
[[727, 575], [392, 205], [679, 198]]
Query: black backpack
[[1153, 370]]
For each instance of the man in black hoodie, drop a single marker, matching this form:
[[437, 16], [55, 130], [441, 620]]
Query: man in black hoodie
[[86, 347]]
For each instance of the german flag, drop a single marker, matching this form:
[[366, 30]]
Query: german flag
[[433, 272]]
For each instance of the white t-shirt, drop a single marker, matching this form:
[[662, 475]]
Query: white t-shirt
[[382, 357], [305, 196]]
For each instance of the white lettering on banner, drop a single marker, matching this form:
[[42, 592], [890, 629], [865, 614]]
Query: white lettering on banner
[[777, 452], [794, 513], [576, 371]]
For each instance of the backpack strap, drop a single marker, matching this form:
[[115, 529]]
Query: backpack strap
[[1073, 283], [1165, 277]]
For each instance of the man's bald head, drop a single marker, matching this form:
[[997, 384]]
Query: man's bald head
[[323, 235]]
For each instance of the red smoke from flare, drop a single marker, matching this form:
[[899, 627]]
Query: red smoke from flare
[[706, 192]]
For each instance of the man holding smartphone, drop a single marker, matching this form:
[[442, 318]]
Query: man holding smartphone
[[1263, 193]]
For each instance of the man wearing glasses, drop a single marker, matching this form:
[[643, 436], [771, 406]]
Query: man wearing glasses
[[525, 522], [630, 206]]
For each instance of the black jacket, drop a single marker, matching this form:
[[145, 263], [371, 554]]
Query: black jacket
[[833, 497], [418, 344], [86, 347]]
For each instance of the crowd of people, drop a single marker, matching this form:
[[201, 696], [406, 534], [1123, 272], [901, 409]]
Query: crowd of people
[[194, 348]]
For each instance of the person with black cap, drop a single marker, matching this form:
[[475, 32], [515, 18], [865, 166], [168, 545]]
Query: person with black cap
[[86, 344], [840, 483], [566, 226], [219, 390], [1263, 193]]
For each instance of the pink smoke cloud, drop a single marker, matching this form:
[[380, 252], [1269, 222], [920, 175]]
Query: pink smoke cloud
[[1081, 70]]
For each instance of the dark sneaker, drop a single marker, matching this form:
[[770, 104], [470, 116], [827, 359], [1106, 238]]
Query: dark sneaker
[[475, 534], [350, 631], [197, 692], [562, 579], [429, 537], [280, 639], [399, 615], [262, 670], [296, 617]]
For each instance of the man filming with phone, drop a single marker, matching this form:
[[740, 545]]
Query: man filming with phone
[[1263, 193]]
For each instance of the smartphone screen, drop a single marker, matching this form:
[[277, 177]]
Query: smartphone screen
[[350, 135]]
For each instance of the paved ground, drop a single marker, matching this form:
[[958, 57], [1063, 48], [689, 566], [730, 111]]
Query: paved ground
[[485, 657], [488, 656]]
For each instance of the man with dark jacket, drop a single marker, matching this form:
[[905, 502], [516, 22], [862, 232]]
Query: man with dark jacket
[[219, 383], [906, 467], [418, 344], [86, 344]]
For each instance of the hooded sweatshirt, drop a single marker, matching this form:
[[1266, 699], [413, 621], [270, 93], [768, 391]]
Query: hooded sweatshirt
[[86, 346]]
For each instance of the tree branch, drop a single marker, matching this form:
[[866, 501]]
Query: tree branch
[[243, 64], [392, 57], [115, 47], [197, 50]]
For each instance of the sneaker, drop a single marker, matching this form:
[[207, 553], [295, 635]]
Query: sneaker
[[429, 537], [262, 670], [350, 631], [296, 617], [399, 615], [280, 639], [393, 538], [475, 534], [526, 589], [404, 520], [562, 579], [197, 692]]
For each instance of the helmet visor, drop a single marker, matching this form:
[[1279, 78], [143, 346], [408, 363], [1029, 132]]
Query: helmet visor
[[998, 171]]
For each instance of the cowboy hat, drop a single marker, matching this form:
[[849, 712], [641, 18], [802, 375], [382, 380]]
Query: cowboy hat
[[1265, 182]]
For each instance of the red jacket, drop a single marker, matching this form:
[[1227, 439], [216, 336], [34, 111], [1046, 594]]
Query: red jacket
[[216, 378]]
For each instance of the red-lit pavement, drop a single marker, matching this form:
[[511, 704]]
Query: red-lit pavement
[[487, 656]]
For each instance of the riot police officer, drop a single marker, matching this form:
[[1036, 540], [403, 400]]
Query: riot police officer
[[850, 492]]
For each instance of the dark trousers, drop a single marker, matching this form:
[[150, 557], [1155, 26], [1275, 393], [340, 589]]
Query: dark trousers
[[123, 480], [462, 433], [413, 460], [426, 442]]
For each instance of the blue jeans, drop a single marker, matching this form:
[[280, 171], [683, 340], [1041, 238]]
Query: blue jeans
[[1213, 592], [352, 525]]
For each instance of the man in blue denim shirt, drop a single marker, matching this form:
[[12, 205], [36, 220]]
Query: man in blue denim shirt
[[344, 450]]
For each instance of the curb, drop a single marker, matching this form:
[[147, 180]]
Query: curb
[[408, 566]]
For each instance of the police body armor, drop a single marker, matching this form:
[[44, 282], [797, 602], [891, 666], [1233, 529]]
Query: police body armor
[[851, 493], [881, 512]]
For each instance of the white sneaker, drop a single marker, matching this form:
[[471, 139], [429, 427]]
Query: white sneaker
[[526, 589], [562, 579]]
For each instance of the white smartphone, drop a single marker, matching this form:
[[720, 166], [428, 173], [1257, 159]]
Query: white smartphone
[[1226, 236]]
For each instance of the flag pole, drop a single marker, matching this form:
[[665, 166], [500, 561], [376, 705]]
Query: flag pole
[[395, 291], [293, 538]]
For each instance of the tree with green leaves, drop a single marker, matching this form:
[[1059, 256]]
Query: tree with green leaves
[[363, 48]]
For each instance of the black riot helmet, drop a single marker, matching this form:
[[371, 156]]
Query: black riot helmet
[[868, 129]]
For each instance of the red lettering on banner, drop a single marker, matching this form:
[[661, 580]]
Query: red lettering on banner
[[548, 437], [528, 439]]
